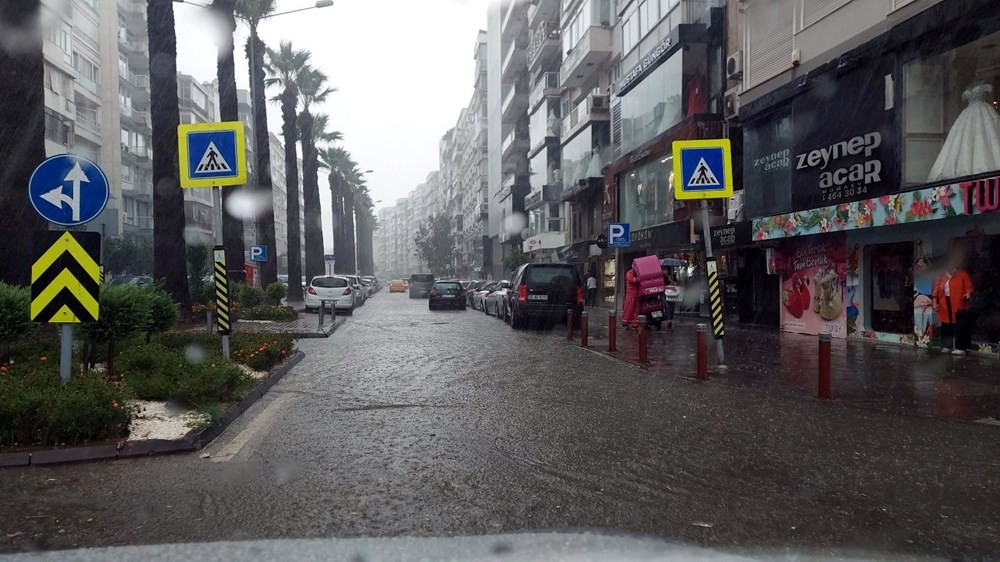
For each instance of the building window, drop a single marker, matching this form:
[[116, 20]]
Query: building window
[[89, 74], [653, 105], [647, 194], [892, 288], [767, 164], [951, 127], [56, 129], [580, 158], [630, 32]]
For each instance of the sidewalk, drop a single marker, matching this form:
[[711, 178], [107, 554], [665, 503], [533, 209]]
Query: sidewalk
[[873, 375], [306, 326]]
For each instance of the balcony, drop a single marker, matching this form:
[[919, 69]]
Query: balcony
[[542, 10], [515, 143], [137, 153], [515, 103], [547, 85], [591, 50], [137, 52], [592, 108], [515, 19], [549, 193], [515, 62], [543, 47], [554, 237]]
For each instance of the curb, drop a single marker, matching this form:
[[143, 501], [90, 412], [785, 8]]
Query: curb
[[326, 331], [194, 440]]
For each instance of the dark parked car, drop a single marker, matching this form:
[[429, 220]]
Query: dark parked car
[[543, 292], [420, 285], [446, 294]]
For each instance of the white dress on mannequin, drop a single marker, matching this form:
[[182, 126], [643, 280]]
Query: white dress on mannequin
[[973, 144]]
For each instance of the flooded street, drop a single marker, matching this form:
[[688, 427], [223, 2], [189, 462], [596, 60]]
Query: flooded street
[[418, 423]]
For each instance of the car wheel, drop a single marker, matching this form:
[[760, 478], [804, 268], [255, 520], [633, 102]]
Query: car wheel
[[350, 311], [516, 321], [308, 310]]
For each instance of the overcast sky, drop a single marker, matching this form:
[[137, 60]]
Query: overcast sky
[[403, 69]]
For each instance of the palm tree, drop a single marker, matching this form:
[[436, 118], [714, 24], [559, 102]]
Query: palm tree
[[169, 249], [22, 135], [232, 226], [253, 11], [340, 164], [286, 64], [363, 211], [312, 90]]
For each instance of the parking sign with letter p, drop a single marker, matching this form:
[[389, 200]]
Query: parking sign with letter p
[[619, 235]]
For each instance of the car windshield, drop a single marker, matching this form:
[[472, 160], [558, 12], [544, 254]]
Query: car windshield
[[582, 206], [329, 282]]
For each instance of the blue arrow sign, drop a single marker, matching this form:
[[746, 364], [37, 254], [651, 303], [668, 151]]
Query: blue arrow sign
[[68, 190]]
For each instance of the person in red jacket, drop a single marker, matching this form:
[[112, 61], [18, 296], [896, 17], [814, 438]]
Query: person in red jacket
[[630, 315], [952, 293]]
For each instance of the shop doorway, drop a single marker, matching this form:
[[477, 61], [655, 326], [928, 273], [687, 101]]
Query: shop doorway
[[758, 292], [891, 288]]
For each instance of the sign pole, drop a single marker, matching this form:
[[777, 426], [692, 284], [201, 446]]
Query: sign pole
[[706, 234], [65, 351], [217, 196]]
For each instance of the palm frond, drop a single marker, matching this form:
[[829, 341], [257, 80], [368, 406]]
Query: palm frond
[[252, 11]]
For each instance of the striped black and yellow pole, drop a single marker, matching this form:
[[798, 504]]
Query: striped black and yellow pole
[[715, 298], [222, 307]]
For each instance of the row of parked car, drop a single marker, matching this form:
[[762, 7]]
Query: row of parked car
[[534, 293], [346, 291]]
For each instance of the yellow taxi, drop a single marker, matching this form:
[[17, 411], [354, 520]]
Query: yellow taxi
[[397, 286]]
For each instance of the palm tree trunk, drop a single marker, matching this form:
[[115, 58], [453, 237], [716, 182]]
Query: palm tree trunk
[[312, 214], [364, 242], [169, 251], [289, 128], [232, 226], [262, 153], [22, 137], [350, 261], [337, 216]]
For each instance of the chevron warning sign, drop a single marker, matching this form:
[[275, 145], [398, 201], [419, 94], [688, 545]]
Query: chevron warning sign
[[222, 312], [715, 298], [65, 277]]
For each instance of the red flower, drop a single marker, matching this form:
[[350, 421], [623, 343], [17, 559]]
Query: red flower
[[891, 219], [789, 227], [884, 200], [761, 235], [870, 204], [921, 209]]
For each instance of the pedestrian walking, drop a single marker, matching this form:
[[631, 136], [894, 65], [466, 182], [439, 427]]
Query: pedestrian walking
[[630, 316], [591, 290], [669, 305]]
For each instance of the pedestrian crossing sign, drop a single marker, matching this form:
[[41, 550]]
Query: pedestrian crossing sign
[[703, 169], [212, 154]]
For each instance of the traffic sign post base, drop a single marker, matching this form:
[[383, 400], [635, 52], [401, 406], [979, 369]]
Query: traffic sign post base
[[65, 352]]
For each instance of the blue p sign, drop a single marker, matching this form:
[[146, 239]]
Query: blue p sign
[[618, 235], [258, 253]]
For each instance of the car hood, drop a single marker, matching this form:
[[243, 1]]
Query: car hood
[[576, 546]]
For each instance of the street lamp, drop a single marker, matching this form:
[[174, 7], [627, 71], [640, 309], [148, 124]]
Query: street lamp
[[318, 4]]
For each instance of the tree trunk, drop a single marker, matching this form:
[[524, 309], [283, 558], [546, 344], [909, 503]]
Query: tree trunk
[[232, 226], [169, 250], [262, 153], [289, 98], [350, 261], [22, 135], [337, 217], [368, 261], [311, 212]]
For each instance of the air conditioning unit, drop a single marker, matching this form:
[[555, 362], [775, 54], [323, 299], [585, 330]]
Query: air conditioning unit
[[734, 66], [735, 212], [731, 103], [599, 102]]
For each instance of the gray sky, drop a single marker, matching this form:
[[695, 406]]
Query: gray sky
[[403, 69]]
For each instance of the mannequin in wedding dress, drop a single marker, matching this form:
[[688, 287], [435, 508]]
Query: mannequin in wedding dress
[[973, 144]]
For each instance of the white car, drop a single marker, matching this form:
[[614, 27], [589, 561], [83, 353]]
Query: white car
[[479, 297], [493, 302], [360, 287], [329, 287]]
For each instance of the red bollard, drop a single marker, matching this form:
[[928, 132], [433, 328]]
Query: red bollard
[[643, 334], [584, 328], [612, 331], [701, 344], [569, 325], [823, 390]]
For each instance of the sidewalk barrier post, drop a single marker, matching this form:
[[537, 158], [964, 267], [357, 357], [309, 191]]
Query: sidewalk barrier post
[[584, 328], [322, 313], [823, 390], [643, 334], [612, 331], [209, 320], [702, 353], [569, 325]]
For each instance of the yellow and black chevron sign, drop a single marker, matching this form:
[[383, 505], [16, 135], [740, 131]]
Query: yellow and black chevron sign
[[222, 292], [65, 277], [715, 298]]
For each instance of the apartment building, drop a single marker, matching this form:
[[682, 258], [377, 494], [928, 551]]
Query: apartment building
[[198, 103], [857, 117], [547, 224]]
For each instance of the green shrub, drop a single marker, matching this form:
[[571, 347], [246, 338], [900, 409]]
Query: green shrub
[[261, 351], [36, 408], [207, 383], [124, 313], [151, 370], [159, 372], [161, 311], [15, 316], [276, 313], [250, 296], [275, 292]]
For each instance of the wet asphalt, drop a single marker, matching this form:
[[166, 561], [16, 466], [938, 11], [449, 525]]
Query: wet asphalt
[[410, 422]]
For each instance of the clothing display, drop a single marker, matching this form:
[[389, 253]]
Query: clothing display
[[952, 293], [973, 144]]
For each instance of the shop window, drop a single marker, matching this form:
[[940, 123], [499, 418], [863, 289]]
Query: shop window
[[951, 127], [654, 104], [767, 165], [892, 288], [647, 194]]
